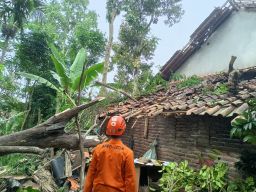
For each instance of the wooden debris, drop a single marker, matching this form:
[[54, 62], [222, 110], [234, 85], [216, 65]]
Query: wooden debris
[[45, 180], [68, 166]]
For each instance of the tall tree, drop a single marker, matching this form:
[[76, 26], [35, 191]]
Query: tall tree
[[33, 56], [13, 14], [72, 26], [136, 45], [114, 8]]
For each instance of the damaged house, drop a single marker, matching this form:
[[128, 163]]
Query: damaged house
[[192, 121]]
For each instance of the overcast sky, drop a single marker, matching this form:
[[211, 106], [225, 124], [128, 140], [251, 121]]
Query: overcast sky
[[171, 39]]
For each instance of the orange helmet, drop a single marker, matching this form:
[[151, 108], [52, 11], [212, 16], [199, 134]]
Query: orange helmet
[[116, 126]]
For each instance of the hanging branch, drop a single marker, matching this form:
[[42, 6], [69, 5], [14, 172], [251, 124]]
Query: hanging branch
[[117, 90]]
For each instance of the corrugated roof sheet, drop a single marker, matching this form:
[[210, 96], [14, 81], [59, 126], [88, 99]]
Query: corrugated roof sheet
[[188, 101]]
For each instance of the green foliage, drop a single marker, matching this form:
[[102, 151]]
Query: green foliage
[[13, 15], [212, 178], [176, 177], [91, 39], [16, 164], [12, 124], [180, 177], [152, 83], [39, 79], [221, 89], [29, 189], [189, 82], [78, 31], [33, 57], [73, 79], [246, 185], [9, 88], [177, 77], [136, 45], [69, 80], [244, 126], [91, 74], [34, 53], [60, 67]]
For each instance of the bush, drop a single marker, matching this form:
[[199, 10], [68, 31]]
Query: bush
[[177, 177], [182, 178]]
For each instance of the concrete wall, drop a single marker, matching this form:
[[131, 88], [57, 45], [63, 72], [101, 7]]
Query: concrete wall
[[236, 36], [186, 138]]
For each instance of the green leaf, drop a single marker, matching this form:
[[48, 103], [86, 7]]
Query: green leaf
[[40, 80], [59, 63], [250, 138], [77, 67], [92, 73], [56, 76], [89, 76], [240, 120], [233, 132], [57, 54]]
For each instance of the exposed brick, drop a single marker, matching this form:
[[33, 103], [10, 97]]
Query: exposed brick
[[186, 137]]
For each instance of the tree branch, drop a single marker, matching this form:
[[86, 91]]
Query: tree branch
[[4, 150], [117, 90]]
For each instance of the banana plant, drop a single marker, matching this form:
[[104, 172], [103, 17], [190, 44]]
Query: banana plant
[[72, 80]]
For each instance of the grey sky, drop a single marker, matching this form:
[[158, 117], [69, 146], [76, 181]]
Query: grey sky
[[171, 39]]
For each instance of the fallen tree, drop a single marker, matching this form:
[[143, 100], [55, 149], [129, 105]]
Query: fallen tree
[[51, 133]]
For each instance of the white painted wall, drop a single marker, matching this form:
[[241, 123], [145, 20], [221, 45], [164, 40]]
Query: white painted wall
[[236, 36]]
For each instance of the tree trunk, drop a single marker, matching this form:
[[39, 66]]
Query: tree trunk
[[4, 50], [136, 65], [108, 52], [55, 140], [135, 90], [50, 133]]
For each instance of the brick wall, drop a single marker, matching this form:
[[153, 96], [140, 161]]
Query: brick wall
[[185, 137]]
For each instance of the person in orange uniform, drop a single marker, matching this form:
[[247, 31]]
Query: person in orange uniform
[[112, 167]]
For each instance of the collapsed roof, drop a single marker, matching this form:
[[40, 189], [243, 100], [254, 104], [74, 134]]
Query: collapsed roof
[[200, 99], [202, 34]]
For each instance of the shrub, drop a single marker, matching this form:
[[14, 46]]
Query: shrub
[[177, 177], [181, 178]]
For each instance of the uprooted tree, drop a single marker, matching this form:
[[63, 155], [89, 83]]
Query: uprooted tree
[[48, 134]]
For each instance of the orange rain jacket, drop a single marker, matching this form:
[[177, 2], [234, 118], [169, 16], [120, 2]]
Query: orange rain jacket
[[112, 169]]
